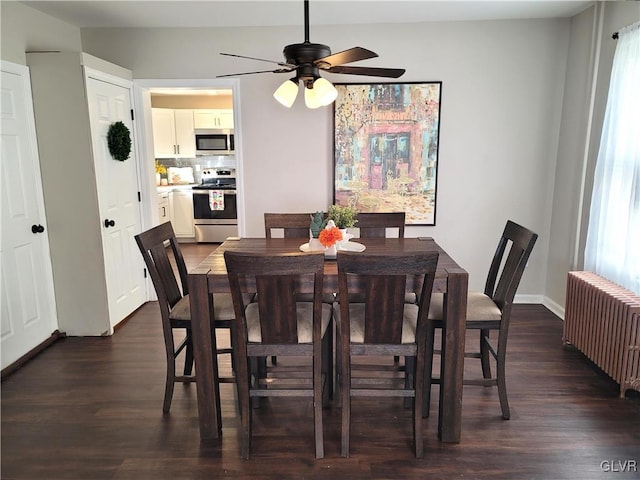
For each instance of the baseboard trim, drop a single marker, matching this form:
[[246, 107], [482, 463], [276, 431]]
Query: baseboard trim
[[15, 366], [555, 307], [528, 299]]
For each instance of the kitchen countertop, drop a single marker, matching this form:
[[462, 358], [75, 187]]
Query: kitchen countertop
[[170, 188]]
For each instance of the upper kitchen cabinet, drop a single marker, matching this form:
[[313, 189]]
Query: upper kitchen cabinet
[[173, 133], [213, 118]]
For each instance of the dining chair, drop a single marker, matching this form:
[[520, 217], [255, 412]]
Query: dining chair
[[487, 311], [278, 324], [374, 225], [384, 325], [294, 225], [173, 300]]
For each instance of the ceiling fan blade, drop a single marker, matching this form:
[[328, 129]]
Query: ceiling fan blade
[[279, 70], [369, 71], [282, 64], [354, 54]]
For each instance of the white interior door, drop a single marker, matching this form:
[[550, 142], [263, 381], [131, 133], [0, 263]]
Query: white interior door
[[109, 101], [27, 303]]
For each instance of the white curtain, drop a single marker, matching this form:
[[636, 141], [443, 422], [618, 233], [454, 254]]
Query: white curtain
[[613, 238]]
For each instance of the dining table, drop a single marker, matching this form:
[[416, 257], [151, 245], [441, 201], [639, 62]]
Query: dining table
[[210, 276]]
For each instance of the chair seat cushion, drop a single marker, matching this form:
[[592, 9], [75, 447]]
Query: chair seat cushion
[[356, 317], [222, 307], [305, 317], [409, 297], [308, 297], [479, 307]]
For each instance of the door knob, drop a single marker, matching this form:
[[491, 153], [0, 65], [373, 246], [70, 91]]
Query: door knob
[[109, 223], [37, 228]]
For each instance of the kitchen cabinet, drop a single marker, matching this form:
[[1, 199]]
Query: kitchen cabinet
[[213, 118], [173, 133], [181, 213], [163, 207]]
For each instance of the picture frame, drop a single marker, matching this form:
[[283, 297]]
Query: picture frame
[[386, 144]]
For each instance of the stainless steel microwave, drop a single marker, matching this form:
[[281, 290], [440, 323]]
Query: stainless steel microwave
[[214, 142]]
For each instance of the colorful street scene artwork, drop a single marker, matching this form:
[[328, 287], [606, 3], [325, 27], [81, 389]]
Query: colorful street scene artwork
[[386, 148]]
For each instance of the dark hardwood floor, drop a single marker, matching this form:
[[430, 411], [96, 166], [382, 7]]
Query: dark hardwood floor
[[91, 408]]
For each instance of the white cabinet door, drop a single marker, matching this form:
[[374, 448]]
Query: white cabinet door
[[118, 202], [181, 209], [185, 133], [212, 118], [163, 208], [173, 133], [164, 132], [27, 304], [226, 119]]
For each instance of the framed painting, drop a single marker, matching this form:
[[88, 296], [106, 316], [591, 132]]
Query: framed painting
[[386, 138]]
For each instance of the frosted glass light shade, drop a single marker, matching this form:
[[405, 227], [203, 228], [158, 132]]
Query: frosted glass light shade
[[286, 93], [326, 93], [311, 99]]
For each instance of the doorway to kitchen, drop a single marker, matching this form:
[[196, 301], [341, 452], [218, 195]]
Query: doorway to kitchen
[[177, 158]]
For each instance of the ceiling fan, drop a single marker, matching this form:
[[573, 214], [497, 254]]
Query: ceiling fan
[[307, 59]]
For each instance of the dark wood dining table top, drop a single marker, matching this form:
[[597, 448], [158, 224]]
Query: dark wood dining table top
[[214, 267], [210, 276]]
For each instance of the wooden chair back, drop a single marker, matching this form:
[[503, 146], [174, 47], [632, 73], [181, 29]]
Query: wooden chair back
[[277, 280], [374, 225], [508, 272], [295, 225], [383, 280], [153, 246]]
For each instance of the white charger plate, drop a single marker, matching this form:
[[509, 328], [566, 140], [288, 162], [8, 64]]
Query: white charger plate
[[346, 247]]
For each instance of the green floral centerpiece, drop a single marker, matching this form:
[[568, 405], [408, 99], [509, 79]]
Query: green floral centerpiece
[[342, 216]]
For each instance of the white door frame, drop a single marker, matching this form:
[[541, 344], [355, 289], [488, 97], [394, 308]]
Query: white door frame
[[142, 108]]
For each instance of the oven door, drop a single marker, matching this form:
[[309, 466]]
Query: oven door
[[204, 214]]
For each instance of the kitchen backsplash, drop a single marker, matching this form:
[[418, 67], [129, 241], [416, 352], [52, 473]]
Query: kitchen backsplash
[[200, 163]]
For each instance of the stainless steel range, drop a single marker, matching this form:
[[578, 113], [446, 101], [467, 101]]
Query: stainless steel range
[[215, 210]]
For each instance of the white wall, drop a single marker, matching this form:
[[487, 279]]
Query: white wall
[[25, 29], [571, 151], [501, 103]]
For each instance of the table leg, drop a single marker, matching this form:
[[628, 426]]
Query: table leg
[[452, 360], [206, 360]]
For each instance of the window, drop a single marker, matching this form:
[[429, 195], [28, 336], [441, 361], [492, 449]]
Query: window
[[613, 238]]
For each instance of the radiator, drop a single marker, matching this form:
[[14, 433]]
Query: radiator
[[602, 320]]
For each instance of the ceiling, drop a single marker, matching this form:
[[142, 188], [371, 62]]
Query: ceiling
[[244, 13]]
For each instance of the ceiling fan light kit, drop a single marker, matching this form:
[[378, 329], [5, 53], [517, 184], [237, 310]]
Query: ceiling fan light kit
[[316, 94], [325, 91], [287, 92], [307, 59], [311, 100]]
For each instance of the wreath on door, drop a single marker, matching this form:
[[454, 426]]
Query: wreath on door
[[119, 141]]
